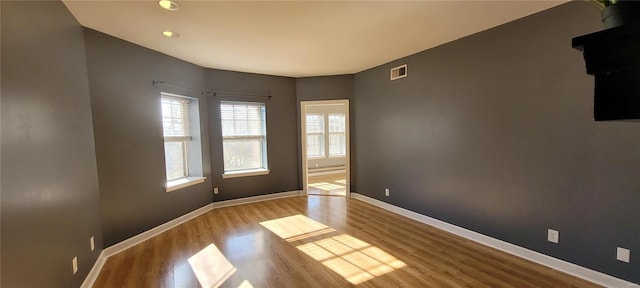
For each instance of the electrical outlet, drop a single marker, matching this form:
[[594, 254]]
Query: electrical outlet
[[386, 192], [74, 264], [92, 243], [553, 236], [215, 190], [623, 254]]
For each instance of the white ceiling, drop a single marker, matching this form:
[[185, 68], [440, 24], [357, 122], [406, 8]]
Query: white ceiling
[[298, 38]]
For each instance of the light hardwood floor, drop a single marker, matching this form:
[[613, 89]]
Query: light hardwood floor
[[331, 185], [319, 241]]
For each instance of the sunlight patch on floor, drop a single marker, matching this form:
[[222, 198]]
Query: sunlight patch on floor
[[296, 227], [326, 186], [333, 184], [355, 260], [245, 284], [211, 267]]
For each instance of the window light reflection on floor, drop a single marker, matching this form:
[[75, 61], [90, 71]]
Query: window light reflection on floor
[[211, 267], [245, 284], [326, 186], [355, 260], [296, 227]]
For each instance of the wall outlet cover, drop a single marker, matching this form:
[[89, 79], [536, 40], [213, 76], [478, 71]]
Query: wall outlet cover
[[74, 264], [386, 192], [553, 236], [623, 254], [92, 243]]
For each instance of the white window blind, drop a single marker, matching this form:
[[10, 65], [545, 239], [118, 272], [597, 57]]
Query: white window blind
[[177, 134], [175, 118], [337, 142], [315, 135], [243, 135]]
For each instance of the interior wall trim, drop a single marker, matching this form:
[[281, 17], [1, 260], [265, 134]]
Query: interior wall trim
[[254, 199], [327, 172], [130, 242], [95, 271], [137, 239], [557, 264]]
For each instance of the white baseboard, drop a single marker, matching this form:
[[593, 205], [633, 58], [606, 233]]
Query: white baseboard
[[95, 271], [560, 265], [327, 172], [128, 243], [258, 198]]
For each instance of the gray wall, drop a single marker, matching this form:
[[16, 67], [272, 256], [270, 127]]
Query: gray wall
[[281, 131], [128, 135], [129, 143], [326, 88], [50, 196], [495, 133]]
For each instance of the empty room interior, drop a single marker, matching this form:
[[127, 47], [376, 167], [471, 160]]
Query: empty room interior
[[319, 144]]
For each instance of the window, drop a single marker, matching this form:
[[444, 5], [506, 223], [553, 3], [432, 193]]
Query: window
[[176, 131], [315, 135], [244, 138], [337, 143], [318, 134], [182, 152]]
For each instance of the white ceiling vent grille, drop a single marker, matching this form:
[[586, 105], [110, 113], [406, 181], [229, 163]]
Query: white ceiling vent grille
[[399, 72]]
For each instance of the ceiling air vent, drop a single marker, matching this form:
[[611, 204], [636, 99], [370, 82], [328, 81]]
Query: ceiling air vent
[[399, 72]]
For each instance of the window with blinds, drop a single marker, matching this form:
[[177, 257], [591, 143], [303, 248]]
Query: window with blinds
[[177, 134], [315, 135], [332, 134], [244, 136], [337, 145]]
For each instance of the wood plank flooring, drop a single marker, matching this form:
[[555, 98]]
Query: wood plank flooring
[[320, 241], [331, 184]]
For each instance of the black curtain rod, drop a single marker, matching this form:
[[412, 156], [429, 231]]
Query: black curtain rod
[[209, 92], [241, 95], [178, 86]]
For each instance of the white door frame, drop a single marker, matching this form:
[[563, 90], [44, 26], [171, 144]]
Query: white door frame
[[303, 130]]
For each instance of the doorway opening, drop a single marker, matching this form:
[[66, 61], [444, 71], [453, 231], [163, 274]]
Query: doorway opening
[[325, 147]]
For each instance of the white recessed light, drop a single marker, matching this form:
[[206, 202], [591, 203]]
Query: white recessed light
[[170, 34], [169, 5]]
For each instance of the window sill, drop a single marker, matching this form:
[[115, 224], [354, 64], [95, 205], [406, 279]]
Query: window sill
[[183, 183], [245, 173]]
